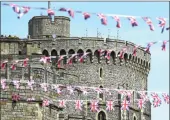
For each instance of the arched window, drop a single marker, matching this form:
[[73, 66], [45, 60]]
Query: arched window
[[101, 116], [101, 94], [101, 72], [134, 118]]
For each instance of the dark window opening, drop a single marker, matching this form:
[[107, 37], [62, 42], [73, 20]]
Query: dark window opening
[[134, 118], [101, 72], [101, 94], [101, 116], [20, 53]]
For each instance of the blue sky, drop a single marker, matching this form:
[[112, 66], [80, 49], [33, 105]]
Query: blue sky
[[158, 79]]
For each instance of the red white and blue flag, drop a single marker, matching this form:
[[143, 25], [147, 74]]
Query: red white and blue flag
[[78, 105], [166, 98], [149, 23], [103, 18], [164, 44], [109, 105], [117, 19], [86, 15], [133, 21], [94, 106], [162, 23], [125, 105]]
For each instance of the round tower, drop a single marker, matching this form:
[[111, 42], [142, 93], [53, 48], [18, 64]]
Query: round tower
[[44, 27]]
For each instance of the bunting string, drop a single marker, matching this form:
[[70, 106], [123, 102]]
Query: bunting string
[[23, 10]]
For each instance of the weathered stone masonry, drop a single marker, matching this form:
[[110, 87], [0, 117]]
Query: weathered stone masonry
[[95, 71]]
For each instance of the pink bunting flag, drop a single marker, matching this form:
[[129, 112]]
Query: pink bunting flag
[[62, 103], [147, 49], [109, 105], [133, 21], [125, 105], [117, 19], [70, 89], [50, 12], [70, 60], [121, 55], [162, 23], [78, 105], [164, 45], [81, 60], [86, 15], [101, 52], [58, 89], [16, 8], [45, 59], [103, 18], [25, 11], [3, 64], [156, 99], [71, 13], [166, 98], [15, 97], [13, 66], [30, 83], [144, 96], [149, 23], [141, 103], [16, 84], [46, 103], [94, 106], [44, 86], [108, 53], [135, 50], [3, 84], [59, 60], [25, 62]]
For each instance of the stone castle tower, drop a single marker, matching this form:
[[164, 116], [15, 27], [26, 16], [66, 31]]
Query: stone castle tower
[[131, 73]]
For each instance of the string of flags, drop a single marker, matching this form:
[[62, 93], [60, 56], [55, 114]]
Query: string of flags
[[125, 94], [23, 10], [82, 56]]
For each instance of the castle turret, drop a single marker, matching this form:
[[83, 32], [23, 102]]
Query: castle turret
[[43, 27]]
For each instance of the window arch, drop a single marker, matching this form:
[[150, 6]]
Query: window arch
[[45, 52], [101, 115], [134, 118]]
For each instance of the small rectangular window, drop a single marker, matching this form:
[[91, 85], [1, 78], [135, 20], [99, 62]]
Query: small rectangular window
[[101, 72]]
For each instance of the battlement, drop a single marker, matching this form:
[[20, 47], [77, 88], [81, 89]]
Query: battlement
[[43, 27]]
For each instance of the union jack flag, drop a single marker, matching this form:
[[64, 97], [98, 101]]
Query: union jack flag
[[59, 60], [44, 86], [25, 62], [25, 11], [62, 103], [144, 96], [108, 52], [166, 98], [16, 83], [3, 83], [147, 49], [141, 103], [78, 105], [157, 103], [45, 59], [155, 96], [121, 55], [125, 105], [71, 13], [83, 56], [117, 19], [133, 21], [30, 83], [13, 66], [102, 18], [94, 106], [3, 64], [164, 44], [101, 52], [50, 12], [149, 22], [70, 89], [70, 60], [46, 103], [135, 50], [16, 8], [99, 90], [109, 105], [15, 97], [86, 15], [162, 23]]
